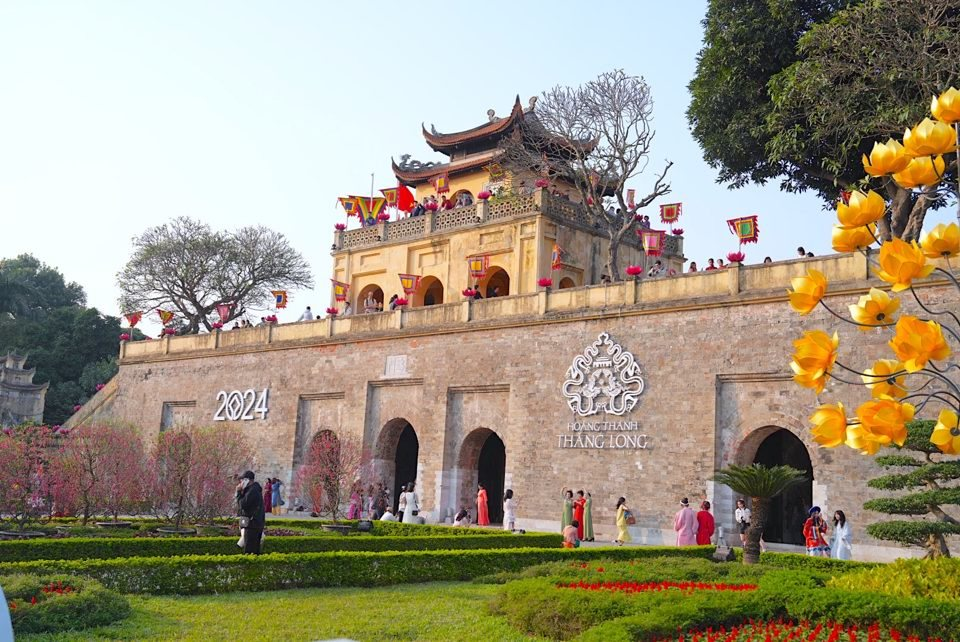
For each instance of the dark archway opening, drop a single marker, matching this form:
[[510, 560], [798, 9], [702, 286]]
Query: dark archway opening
[[405, 461], [497, 283], [566, 282], [788, 511], [491, 468]]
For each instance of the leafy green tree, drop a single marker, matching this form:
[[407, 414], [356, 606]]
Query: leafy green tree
[[761, 484], [800, 90], [930, 479], [186, 267]]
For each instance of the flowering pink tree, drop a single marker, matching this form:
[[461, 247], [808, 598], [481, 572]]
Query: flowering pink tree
[[332, 468], [170, 464], [219, 453], [123, 477], [24, 482]]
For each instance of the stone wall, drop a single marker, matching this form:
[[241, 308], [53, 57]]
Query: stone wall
[[714, 365]]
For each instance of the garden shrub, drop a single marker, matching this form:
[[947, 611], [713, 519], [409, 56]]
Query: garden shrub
[[200, 574], [805, 562], [937, 579], [55, 603], [109, 548]]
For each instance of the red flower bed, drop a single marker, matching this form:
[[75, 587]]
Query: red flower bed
[[781, 631], [643, 587]]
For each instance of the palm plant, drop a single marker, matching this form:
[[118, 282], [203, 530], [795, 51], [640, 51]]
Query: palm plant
[[761, 484]]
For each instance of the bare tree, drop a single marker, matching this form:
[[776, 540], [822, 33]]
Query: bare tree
[[187, 267], [596, 137]]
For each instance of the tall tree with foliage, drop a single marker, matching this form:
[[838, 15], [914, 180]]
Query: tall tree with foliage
[[597, 137], [44, 316], [190, 269], [800, 91], [930, 479], [761, 484]]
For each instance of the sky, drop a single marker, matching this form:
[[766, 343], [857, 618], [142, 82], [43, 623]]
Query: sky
[[118, 116]]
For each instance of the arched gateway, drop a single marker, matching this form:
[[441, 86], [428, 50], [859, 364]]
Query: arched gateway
[[483, 460], [776, 446], [397, 452]]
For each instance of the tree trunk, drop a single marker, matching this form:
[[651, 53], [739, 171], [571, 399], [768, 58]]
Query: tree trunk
[[613, 259], [936, 546], [751, 549]]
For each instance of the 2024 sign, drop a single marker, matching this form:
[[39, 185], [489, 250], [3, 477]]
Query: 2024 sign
[[242, 406]]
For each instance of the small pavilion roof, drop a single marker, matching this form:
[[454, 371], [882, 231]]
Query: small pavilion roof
[[447, 143], [413, 177]]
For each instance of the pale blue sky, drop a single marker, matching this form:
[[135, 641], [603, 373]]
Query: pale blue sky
[[116, 116]]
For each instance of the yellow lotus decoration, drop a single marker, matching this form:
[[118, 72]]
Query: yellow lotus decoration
[[943, 241], [882, 382], [916, 342], [829, 425], [946, 106], [861, 210], [901, 263], [814, 355], [946, 434], [874, 309], [884, 422], [921, 172], [930, 138], [851, 239], [807, 291], [886, 158]]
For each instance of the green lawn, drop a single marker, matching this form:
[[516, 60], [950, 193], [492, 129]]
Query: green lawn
[[434, 611]]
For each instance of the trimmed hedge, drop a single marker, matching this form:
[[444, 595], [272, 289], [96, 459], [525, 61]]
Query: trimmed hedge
[[110, 548], [387, 528], [200, 574], [87, 604], [936, 579]]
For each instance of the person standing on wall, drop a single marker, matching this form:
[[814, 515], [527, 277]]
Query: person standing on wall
[[578, 505], [250, 509], [483, 510]]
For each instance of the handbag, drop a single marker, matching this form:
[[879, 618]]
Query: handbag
[[244, 522], [629, 518]]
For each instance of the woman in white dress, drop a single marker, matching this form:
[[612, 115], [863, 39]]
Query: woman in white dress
[[509, 511], [841, 544], [412, 508]]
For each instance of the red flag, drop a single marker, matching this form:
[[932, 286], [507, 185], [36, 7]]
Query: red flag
[[405, 200], [133, 318]]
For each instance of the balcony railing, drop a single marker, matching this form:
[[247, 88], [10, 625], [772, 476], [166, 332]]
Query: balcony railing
[[540, 202]]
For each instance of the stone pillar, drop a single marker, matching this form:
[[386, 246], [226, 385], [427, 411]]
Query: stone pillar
[[542, 301], [466, 309], [396, 321], [165, 344], [216, 338], [483, 208], [382, 227], [630, 295], [123, 347], [733, 278], [428, 222]]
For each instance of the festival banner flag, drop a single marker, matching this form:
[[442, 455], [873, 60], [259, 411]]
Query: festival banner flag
[[556, 257], [390, 196], [405, 200], [671, 212], [594, 179], [279, 298], [165, 316], [442, 183], [370, 209], [349, 204], [224, 310], [409, 283], [745, 228], [133, 318], [340, 290], [631, 195], [652, 241], [478, 265]]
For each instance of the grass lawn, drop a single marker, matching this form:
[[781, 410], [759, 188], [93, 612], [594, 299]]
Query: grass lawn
[[433, 611]]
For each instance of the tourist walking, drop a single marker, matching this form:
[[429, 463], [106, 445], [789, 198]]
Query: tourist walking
[[402, 503], [483, 510], [623, 515], [250, 509], [412, 506], [814, 532], [588, 519], [268, 496], [685, 523], [578, 505], [705, 524], [307, 315], [743, 515], [276, 499], [841, 544], [509, 511], [566, 516]]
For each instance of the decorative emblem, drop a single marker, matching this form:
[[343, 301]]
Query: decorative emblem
[[605, 378]]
